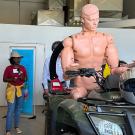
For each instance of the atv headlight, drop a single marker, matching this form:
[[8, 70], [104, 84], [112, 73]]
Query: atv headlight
[[109, 128], [105, 127]]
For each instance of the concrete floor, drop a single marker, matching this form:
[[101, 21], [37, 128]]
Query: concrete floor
[[28, 126]]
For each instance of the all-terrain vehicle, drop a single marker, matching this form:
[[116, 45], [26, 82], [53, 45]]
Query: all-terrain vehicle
[[109, 115]]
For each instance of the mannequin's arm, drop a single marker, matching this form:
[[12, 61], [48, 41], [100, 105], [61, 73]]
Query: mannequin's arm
[[112, 57], [67, 57]]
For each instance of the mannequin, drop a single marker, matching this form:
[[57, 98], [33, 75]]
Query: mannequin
[[89, 49]]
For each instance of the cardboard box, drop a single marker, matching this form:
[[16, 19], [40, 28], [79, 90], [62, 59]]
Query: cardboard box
[[55, 4], [50, 17], [108, 5]]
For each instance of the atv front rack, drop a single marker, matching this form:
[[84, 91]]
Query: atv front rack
[[128, 126]]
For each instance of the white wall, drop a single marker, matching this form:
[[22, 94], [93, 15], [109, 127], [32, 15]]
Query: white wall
[[44, 36]]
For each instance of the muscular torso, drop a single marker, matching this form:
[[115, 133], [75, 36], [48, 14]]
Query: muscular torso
[[89, 52]]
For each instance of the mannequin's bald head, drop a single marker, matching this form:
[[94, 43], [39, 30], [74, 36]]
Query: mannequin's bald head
[[89, 9], [90, 17]]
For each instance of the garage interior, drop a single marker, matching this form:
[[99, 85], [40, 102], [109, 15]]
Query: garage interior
[[59, 13], [64, 12]]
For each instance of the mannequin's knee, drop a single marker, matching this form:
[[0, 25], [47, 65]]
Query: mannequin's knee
[[78, 93]]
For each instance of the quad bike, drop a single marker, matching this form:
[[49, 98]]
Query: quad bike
[[111, 114]]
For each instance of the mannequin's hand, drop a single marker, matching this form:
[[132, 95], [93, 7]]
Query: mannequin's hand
[[74, 66], [122, 69], [71, 67]]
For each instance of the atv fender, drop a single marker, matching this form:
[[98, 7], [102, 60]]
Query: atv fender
[[74, 109]]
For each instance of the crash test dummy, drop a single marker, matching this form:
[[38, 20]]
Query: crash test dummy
[[89, 49]]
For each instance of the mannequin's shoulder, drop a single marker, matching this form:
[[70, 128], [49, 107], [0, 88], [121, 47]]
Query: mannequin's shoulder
[[68, 41], [104, 34], [79, 35], [74, 36]]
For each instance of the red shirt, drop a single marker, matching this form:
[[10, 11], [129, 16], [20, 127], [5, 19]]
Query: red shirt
[[16, 72]]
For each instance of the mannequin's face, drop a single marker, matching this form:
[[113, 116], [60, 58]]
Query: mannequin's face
[[90, 22]]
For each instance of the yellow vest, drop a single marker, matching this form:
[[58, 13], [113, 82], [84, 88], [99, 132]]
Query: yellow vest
[[12, 91]]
